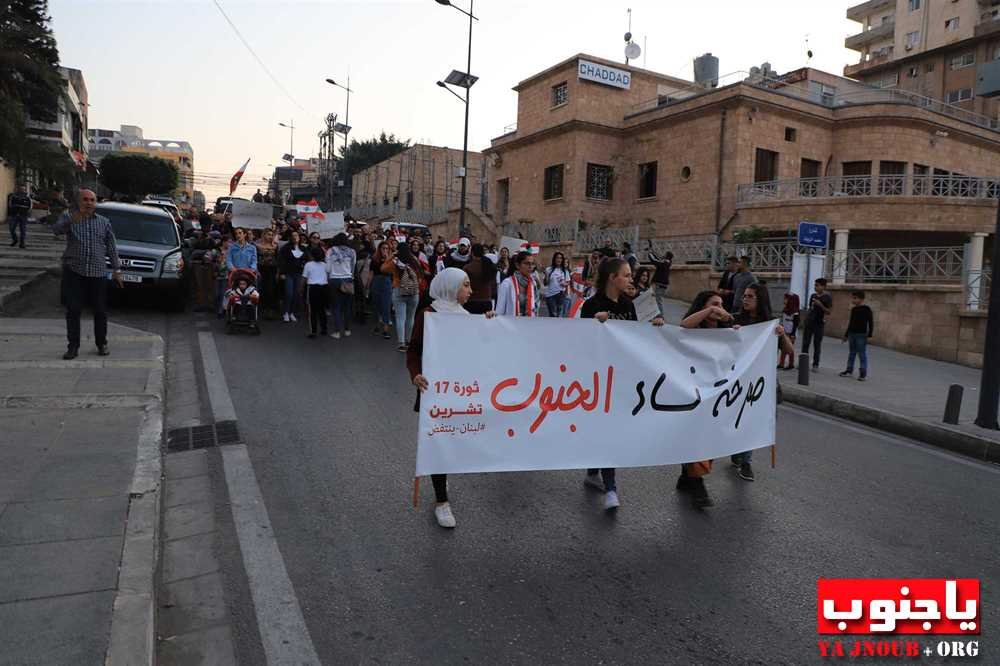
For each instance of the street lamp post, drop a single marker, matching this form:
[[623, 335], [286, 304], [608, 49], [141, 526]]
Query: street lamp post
[[344, 128], [468, 81], [291, 141]]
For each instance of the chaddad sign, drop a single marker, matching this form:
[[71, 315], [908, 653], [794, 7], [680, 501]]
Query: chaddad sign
[[609, 76]]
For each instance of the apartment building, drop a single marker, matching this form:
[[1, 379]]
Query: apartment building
[[930, 48], [130, 139], [422, 184]]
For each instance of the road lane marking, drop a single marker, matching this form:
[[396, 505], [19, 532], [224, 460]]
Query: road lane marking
[[283, 631], [215, 379], [282, 627]]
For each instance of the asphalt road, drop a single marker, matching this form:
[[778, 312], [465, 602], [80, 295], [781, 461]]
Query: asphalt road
[[537, 572]]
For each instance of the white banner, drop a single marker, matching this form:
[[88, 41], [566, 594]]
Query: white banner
[[250, 215], [572, 394], [328, 226], [646, 308]]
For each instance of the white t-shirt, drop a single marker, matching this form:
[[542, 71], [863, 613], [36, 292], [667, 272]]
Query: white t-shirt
[[315, 272], [296, 252], [558, 279]]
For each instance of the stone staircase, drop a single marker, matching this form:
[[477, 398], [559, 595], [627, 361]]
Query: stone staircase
[[19, 268]]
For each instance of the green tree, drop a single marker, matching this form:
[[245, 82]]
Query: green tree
[[30, 83], [358, 156], [134, 176]]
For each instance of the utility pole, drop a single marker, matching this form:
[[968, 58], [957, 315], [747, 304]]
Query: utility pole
[[989, 387]]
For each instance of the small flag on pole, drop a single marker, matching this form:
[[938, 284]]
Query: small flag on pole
[[235, 180]]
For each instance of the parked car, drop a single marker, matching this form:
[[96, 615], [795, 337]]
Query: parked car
[[186, 224], [408, 228], [149, 247]]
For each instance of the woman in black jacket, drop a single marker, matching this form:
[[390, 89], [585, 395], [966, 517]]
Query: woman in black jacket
[[291, 259]]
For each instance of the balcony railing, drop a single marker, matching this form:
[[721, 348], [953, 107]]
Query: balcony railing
[[859, 12], [977, 289], [848, 97], [868, 36], [965, 187], [918, 265]]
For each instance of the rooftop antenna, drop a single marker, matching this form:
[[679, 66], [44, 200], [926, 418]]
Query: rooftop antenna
[[809, 53], [644, 51], [632, 49]]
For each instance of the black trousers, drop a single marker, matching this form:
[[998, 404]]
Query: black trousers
[[318, 300], [79, 291], [440, 482], [813, 333]]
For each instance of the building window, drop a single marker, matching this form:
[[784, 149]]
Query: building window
[[914, 72], [647, 180], [686, 174], [409, 201], [790, 134], [560, 94], [912, 39], [964, 60], [951, 24], [921, 185], [892, 178], [765, 166], [553, 182], [929, 67], [599, 183], [857, 178], [956, 96], [913, 5], [887, 80]]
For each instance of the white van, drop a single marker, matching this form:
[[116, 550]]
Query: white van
[[408, 228]]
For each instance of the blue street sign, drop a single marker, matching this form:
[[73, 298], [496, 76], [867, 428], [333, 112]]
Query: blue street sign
[[813, 234]]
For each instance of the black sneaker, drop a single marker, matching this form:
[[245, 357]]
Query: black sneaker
[[846, 373], [13, 243], [684, 483], [699, 493], [70, 354], [102, 350], [862, 378], [746, 472]]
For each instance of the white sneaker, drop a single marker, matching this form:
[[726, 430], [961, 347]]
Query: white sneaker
[[285, 318], [335, 335], [347, 333], [292, 317], [594, 481], [611, 500], [444, 515]]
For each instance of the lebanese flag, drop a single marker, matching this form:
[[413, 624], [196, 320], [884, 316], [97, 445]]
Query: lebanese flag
[[308, 208], [530, 247], [235, 180]]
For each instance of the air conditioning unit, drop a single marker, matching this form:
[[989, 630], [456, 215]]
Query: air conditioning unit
[[909, 47]]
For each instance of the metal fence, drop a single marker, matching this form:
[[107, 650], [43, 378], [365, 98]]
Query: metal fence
[[918, 265], [587, 240], [978, 285], [701, 249], [399, 213], [967, 187]]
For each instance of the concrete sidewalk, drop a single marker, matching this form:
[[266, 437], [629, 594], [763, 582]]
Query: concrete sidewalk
[[904, 394], [79, 494]]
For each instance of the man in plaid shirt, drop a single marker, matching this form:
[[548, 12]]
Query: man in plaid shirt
[[89, 239]]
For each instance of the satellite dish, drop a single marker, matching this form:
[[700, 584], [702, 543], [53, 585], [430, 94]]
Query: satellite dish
[[632, 51]]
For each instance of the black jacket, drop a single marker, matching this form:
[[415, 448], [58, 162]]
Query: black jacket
[[287, 263]]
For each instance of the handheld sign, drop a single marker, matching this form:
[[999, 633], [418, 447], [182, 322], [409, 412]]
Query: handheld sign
[[250, 215]]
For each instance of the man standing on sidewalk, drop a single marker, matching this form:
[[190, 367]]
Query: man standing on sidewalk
[[89, 239], [661, 276], [820, 305], [18, 209], [743, 279]]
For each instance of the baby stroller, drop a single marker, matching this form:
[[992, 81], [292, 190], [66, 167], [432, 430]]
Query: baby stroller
[[242, 299]]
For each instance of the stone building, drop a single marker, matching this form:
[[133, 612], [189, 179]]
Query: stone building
[[129, 139]]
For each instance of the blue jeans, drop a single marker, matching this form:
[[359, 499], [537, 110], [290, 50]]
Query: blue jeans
[[17, 221], [382, 297], [220, 295], [293, 293], [341, 305], [556, 304], [858, 343], [406, 311], [660, 292]]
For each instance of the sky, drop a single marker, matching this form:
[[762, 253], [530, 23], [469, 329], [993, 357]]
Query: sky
[[177, 69]]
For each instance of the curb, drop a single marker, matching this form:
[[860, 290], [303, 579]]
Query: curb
[[10, 298], [980, 448], [133, 616]]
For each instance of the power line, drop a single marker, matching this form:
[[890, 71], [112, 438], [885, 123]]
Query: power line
[[256, 57]]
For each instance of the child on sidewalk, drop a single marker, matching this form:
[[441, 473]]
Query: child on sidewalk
[[315, 277], [789, 322], [859, 329]]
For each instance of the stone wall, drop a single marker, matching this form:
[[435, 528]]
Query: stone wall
[[7, 185], [971, 338]]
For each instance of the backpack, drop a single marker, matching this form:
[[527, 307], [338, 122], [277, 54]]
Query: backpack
[[408, 285]]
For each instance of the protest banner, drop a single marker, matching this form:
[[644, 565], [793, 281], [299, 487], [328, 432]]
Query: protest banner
[[512, 244], [251, 215], [327, 225], [646, 308], [582, 394]]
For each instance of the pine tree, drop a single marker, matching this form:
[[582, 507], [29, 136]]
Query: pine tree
[[30, 83]]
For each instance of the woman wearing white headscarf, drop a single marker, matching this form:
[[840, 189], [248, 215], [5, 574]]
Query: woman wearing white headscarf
[[450, 289]]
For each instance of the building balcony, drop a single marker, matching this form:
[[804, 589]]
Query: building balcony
[[859, 12], [988, 25], [862, 39], [956, 187], [869, 61]]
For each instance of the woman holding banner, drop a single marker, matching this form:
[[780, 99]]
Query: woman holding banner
[[610, 302], [450, 290], [516, 296], [706, 311], [756, 308]]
